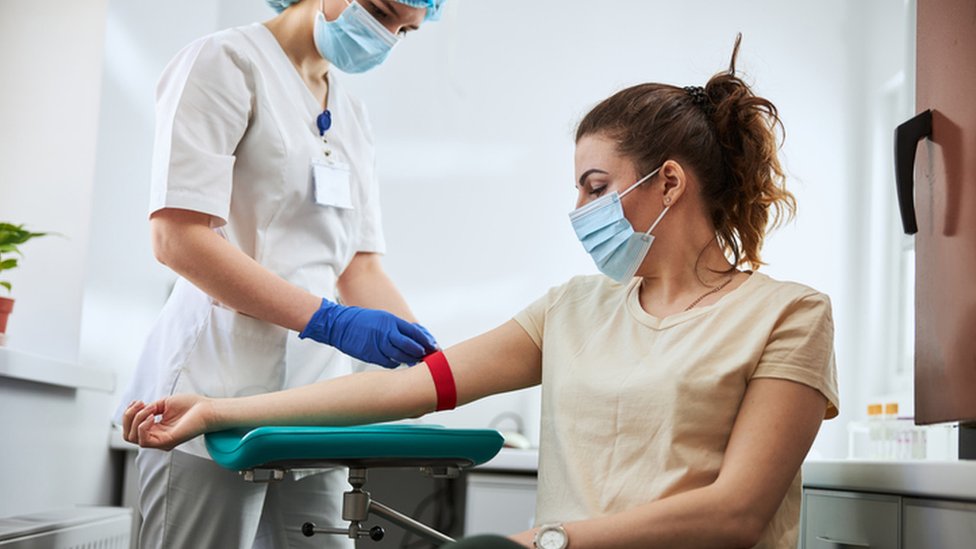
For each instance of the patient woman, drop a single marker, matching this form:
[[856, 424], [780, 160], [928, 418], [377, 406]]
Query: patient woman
[[680, 391]]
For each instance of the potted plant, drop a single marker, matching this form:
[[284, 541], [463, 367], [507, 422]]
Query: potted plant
[[11, 237]]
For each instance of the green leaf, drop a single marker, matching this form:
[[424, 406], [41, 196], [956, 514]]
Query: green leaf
[[8, 264], [19, 238], [7, 286], [11, 235]]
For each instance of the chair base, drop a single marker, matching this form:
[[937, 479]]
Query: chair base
[[357, 506]]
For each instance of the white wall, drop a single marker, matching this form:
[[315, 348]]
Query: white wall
[[53, 442], [51, 56], [124, 286]]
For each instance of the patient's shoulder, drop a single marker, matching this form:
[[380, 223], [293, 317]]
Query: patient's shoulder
[[784, 292], [587, 289]]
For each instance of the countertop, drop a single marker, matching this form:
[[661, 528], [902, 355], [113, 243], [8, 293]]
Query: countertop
[[513, 460], [940, 479]]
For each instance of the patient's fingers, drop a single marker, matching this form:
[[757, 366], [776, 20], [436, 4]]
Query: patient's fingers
[[130, 423], [127, 419], [143, 431], [132, 433], [147, 412]]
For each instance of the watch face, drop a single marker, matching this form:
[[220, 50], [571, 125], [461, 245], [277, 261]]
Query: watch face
[[552, 539]]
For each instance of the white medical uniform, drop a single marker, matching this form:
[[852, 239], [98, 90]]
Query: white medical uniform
[[236, 139]]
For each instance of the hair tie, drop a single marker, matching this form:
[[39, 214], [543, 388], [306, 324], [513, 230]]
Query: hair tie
[[700, 98]]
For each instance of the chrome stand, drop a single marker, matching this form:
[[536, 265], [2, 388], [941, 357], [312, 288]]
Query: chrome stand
[[357, 506]]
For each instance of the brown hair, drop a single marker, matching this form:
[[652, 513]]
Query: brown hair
[[724, 133]]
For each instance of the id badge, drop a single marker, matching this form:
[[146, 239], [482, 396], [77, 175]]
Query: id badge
[[332, 184]]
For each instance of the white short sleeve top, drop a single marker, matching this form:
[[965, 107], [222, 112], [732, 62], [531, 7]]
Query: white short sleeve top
[[236, 139]]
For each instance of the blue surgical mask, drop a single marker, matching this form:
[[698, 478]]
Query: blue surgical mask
[[355, 41], [609, 238]]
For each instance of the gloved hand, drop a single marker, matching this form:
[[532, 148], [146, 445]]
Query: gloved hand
[[369, 335], [431, 345]]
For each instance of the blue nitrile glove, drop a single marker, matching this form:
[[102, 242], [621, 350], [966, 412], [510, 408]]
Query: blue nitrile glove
[[431, 342], [369, 335]]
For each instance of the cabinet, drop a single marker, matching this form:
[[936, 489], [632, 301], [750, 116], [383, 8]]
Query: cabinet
[[933, 523], [499, 503], [850, 519], [845, 519]]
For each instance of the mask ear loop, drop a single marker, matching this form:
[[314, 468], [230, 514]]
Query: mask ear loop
[[635, 185], [639, 181]]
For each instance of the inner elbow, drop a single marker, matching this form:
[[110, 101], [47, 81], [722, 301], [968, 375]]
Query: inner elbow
[[746, 529]]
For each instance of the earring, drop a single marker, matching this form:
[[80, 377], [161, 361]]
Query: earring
[[667, 200]]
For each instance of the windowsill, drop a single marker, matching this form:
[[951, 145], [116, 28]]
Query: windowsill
[[48, 371]]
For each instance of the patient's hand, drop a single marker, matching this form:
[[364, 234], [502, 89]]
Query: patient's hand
[[180, 418]]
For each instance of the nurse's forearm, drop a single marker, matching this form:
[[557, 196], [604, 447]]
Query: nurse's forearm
[[184, 242]]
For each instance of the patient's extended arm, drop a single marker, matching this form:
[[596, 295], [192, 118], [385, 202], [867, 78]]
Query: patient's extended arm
[[503, 359]]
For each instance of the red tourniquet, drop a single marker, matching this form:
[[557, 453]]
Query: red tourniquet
[[440, 370]]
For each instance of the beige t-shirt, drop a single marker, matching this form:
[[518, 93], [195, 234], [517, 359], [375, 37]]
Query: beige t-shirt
[[637, 408]]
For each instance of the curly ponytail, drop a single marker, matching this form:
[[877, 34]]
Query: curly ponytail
[[723, 132]]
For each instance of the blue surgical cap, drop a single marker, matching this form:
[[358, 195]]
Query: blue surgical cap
[[433, 6]]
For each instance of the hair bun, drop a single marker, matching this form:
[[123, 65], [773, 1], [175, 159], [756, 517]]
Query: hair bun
[[700, 98]]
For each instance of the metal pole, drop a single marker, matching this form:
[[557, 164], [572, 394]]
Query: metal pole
[[407, 523]]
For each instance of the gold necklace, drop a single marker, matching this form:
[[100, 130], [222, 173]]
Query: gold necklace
[[709, 292]]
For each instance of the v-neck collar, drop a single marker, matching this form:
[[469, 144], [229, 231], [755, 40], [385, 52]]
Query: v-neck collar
[[657, 323], [313, 103]]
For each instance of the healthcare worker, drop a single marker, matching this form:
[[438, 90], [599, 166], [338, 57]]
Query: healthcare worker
[[265, 202], [680, 393]]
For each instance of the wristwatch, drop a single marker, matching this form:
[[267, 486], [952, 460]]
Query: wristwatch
[[551, 536]]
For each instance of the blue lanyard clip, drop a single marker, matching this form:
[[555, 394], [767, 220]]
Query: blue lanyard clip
[[324, 122]]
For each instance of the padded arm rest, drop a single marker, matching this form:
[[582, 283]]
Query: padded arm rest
[[368, 445]]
